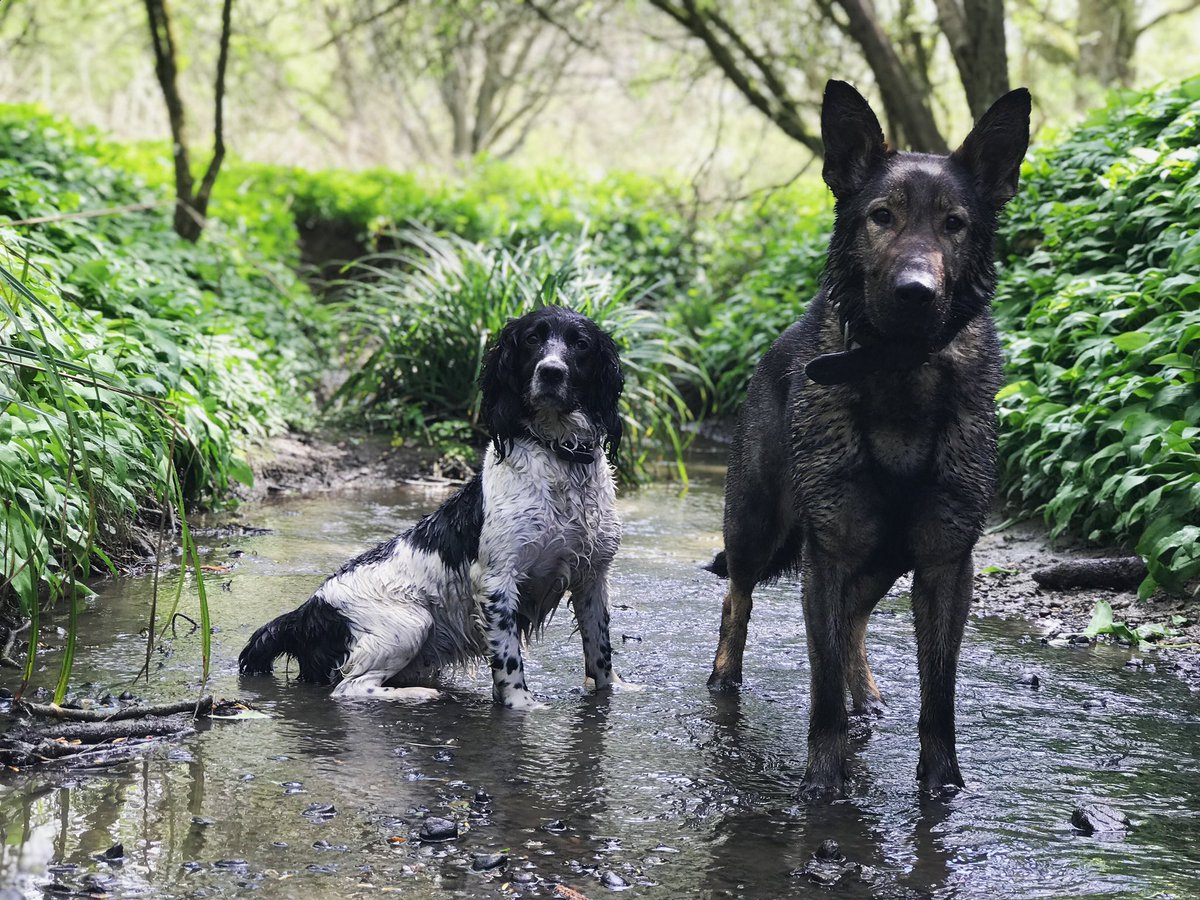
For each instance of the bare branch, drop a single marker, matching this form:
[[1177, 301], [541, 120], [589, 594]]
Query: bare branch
[[1164, 15]]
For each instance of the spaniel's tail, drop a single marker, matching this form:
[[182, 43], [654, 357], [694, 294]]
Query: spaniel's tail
[[315, 634]]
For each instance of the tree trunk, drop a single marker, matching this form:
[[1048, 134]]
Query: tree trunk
[[905, 104], [190, 204], [975, 32], [1107, 33]]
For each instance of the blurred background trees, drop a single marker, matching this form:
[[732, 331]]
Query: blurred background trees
[[649, 85]]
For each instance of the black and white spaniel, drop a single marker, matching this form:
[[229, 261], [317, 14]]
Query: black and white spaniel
[[488, 567]]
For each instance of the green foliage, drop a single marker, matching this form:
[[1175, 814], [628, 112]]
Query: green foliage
[[1100, 307], [429, 314], [131, 362], [1140, 637]]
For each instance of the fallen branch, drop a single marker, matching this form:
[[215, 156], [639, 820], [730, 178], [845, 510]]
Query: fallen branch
[[52, 711], [1119, 573]]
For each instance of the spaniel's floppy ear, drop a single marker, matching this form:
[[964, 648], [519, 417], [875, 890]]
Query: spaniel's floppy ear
[[605, 391], [502, 409]]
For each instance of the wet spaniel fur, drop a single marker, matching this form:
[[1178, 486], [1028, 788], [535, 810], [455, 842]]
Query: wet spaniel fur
[[486, 569]]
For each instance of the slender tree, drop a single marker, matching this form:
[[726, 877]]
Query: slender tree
[[191, 202]]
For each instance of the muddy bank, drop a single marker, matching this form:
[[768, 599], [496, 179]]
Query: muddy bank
[[1004, 586], [296, 463]]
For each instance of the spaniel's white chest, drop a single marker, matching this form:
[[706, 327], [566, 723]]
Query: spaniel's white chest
[[556, 517]]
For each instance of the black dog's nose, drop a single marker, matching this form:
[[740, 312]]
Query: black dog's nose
[[552, 372], [916, 287]]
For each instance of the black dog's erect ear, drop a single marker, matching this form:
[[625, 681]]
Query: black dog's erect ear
[[854, 142], [604, 392], [993, 151], [501, 408]]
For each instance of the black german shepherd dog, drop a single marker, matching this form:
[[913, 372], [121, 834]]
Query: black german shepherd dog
[[867, 444]]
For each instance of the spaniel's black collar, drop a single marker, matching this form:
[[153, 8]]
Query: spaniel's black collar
[[576, 454]]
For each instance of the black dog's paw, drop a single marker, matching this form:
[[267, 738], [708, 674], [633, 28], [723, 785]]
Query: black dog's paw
[[721, 683], [822, 790], [940, 780]]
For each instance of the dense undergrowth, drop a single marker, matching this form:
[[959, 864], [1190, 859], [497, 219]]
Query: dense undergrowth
[[133, 365], [1100, 305], [124, 349]]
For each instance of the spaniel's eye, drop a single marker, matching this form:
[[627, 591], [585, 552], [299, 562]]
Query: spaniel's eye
[[582, 345], [533, 339], [882, 216], [954, 224]]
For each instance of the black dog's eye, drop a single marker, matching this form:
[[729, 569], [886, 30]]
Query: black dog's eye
[[954, 224], [581, 344], [533, 339], [882, 216]]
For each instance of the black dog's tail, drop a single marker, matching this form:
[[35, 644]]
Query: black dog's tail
[[315, 634], [718, 566]]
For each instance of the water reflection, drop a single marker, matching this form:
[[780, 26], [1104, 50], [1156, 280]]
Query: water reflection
[[677, 792]]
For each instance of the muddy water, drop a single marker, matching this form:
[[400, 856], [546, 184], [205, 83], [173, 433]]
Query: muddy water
[[672, 791]]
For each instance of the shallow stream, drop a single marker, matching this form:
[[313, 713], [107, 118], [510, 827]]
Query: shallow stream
[[666, 792]]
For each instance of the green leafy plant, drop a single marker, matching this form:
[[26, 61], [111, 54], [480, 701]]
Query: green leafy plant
[[1141, 637], [428, 314], [1100, 307]]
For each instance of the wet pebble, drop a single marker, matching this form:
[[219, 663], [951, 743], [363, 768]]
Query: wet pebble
[[201, 821], [483, 797], [555, 826], [1029, 679], [97, 884], [320, 811], [1080, 639], [180, 755], [62, 869], [443, 756], [293, 787], [192, 866], [827, 866], [127, 696], [114, 853], [1098, 818], [279, 845], [231, 864], [325, 845], [1135, 663], [524, 877], [613, 881], [435, 828], [485, 862], [249, 776], [322, 870], [1094, 703]]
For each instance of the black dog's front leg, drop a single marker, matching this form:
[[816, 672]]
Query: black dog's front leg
[[833, 600], [941, 599]]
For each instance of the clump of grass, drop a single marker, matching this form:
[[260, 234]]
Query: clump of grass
[[427, 315]]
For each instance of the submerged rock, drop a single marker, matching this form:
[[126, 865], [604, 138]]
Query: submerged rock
[[613, 881], [1097, 818], [485, 862], [320, 811], [827, 866], [1029, 679], [436, 828]]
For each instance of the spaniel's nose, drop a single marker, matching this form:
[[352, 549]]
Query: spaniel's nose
[[551, 371]]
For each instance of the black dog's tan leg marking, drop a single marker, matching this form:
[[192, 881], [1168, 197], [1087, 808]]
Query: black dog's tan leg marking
[[590, 602], [735, 619], [941, 598], [864, 693]]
